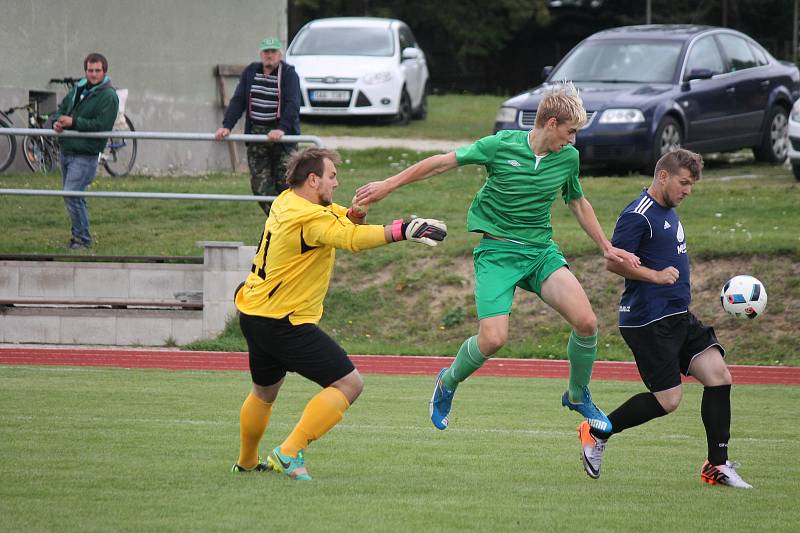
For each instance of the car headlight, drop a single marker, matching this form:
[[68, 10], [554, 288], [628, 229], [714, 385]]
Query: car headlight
[[506, 114], [378, 77], [621, 116], [795, 115]]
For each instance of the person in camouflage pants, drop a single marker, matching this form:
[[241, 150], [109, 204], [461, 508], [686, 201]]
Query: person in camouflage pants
[[268, 94], [267, 163]]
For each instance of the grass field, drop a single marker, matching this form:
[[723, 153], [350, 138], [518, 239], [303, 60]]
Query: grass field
[[450, 117], [85, 449]]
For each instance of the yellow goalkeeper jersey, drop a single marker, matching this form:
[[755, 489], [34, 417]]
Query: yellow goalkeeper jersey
[[292, 267]]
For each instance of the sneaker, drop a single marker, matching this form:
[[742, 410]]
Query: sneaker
[[440, 403], [723, 475], [594, 416], [288, 465], [79, 245], [260, 467], [593, 448]]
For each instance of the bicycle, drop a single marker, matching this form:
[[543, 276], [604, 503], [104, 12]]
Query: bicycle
[[8, 144], [41, 153], [120, 152]]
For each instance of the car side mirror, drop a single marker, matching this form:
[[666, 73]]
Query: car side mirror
[[546, 71], [700, 74], [409, 53]]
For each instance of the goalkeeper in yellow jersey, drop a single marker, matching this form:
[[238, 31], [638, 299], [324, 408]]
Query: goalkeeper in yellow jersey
[[280, 305]]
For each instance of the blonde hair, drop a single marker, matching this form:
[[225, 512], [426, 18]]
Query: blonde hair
[[562, 102]]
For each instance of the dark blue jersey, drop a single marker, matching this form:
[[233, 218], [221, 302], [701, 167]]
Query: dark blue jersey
[[655, 234]]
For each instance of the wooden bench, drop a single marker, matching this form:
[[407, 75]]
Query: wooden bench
[[112, 304]]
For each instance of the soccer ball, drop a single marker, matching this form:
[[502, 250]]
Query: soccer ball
[[744, 297]]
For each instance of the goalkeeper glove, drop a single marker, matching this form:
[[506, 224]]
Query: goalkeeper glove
[[425, 230]]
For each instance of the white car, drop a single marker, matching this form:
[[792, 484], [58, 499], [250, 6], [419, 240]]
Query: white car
[[358, 66], [794, 139]]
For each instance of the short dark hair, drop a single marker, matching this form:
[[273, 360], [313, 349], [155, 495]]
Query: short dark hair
[[674, 160], [94, 57], [308, 161]]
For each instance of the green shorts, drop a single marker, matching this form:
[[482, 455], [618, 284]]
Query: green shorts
[[502, 266]]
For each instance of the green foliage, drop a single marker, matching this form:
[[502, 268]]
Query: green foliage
[[145, 450], [453, 317], [475, 29]]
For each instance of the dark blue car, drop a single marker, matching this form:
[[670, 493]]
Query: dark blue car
[[648, 89]]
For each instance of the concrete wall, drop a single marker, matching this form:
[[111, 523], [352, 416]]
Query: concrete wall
[[225, 265], [164, 53]]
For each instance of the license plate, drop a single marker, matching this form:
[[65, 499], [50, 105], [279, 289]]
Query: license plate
[[330, 96]]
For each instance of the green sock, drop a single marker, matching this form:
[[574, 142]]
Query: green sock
[[468, 360], [581, 351]]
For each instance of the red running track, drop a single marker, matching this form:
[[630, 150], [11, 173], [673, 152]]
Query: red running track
[[367, 364]]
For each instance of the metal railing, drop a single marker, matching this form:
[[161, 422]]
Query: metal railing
[[160, 135], [153, 135]]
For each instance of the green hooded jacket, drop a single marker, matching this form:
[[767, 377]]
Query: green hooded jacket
[[96, 111]]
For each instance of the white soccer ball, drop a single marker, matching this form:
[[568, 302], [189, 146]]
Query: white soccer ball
[[744, 297]]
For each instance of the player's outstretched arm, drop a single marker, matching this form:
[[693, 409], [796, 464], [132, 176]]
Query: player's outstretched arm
[[431, 166], [425, 230], [584, 212]]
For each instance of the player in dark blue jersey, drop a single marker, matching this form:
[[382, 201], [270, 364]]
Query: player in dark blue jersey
[[654, 318]]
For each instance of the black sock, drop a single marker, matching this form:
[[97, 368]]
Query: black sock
[[637, 410], [715, 410]]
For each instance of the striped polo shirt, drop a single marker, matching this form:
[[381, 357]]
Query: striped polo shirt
[[265, 98]]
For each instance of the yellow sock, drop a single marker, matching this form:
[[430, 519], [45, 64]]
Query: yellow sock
[[253, 420], [322, 412]]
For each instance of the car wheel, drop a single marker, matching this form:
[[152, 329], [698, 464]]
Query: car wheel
[[669, 136], [775, 141], [796, 168], [403, 116], [422, 111]]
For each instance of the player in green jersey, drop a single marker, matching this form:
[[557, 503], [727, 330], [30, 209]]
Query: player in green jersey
[[526, 170]]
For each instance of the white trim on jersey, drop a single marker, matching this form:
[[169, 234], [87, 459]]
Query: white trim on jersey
[[654, 320], [644, 204]]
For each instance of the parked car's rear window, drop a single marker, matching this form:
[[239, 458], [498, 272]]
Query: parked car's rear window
[[621, 61], [739, 53], [344, 42]]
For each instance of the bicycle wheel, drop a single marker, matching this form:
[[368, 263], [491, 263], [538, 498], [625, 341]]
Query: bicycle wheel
[[120, 153], [38, 155], [8, 147]]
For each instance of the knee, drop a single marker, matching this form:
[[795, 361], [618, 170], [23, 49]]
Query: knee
[[722, 376], [351, 386], [586, 325], [670, 402], [491, 340]]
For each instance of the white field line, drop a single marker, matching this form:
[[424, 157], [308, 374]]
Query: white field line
[[364, 428]]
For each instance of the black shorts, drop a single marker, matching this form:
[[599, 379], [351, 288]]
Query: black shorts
[[665, 348], [277, 347]]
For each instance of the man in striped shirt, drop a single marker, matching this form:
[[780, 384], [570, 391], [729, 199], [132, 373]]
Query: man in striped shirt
[[269, 90]]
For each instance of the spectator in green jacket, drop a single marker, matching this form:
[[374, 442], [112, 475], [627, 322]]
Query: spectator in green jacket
[[91, 105]]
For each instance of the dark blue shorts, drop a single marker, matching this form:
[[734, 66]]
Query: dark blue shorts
[[665, 348]]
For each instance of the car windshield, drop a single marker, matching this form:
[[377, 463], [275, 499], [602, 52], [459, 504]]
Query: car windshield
[[343, 42], [621, 62]]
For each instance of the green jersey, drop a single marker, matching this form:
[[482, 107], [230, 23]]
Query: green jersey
[[515, 201]]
